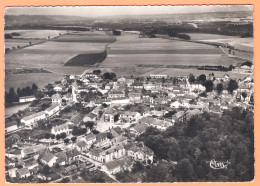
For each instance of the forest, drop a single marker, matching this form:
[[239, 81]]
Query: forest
[[183, 152]]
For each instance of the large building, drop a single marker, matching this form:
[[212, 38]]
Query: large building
[[159, 76], [32, 119], [26, 99]]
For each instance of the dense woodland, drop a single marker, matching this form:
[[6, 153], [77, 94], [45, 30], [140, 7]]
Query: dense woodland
[[194, 143]]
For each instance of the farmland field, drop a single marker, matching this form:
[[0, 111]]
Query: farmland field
[[124, 55], [239, 43], [130, 50], [36, 34], [10, 43], [93, 37], [49, 55]]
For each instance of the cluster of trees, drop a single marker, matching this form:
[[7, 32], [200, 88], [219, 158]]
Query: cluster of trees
[[10, 36], [209, 85], [194, 143], [181, 36], [217, 68], [97, 72], [109, 76], [77, 131], [247, 34], [13, 96], [116, 32]]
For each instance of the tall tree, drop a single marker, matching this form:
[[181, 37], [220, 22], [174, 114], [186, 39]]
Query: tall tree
[[209, 85], [220, 88], [232, 85]]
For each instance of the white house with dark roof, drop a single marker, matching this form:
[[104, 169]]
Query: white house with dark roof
[[11, 126], [60, 129], [116, 94], [56, 98], [49, 159], [129, 116], [32, 119], [23, 173], [26, 99], [58, 88]]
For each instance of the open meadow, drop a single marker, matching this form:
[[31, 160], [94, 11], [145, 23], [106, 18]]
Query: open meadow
[[50, 55], [244, 44], [35, 34], [130, 50]]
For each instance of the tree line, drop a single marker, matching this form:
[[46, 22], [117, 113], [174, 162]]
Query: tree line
[[13, 96], [194, 143]]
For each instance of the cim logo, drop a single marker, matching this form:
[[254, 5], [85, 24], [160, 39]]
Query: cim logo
[[218, 164]]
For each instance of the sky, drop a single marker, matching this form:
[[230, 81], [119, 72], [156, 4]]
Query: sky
[[92, 11]]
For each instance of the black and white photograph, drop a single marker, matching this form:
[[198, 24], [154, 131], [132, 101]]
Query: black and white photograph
[[129, 94]]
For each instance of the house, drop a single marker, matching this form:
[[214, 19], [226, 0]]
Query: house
[[52, 109], [60, 129], [23, 173], [140, 153], [76, 119], [191, 113], [56, 98], [12, 172], [110, 116], [58, 88], [71, 169], [11, 126], [159, 76], [119, 140], [113, 167], [134, 95], [90, 117], [138, 129], [129, 82], [90, 139], [31, 164], [179, 117], [81, 146], [121, 80], [61, 158], [32, 119], [73, 154], [48, 159], [116, 131], [129, 116], [91, 75], [67, 97], [26, 99], [31, 150], [120, 101], [102, 140], [137, 85], [157, 123], [108, 155], [116, 94]]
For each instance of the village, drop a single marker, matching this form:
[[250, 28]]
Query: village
[[90, 122]]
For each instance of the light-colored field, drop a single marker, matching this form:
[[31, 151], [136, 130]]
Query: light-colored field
[[36, 34], [168, 59], [10, 43], [24, 80], [239, 43], [130, 50], [9, 111], [50, 54]]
